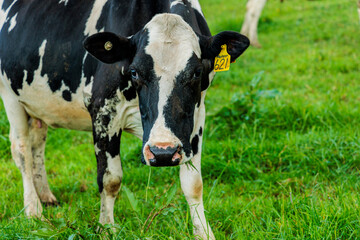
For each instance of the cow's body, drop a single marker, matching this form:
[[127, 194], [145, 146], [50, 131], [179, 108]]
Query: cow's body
[[48, 79], [57, 67]]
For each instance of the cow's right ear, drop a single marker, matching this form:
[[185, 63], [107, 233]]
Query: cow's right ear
[[109, 47]]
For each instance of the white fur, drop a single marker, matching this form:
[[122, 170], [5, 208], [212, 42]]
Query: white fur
[[3, 14], [87, 91], [64, 1], [90, 27], [196, 5], [12, 22], [176, 2], [97, 149], [171, 44]]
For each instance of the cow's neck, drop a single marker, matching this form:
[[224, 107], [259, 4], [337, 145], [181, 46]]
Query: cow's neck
[[139, 12]]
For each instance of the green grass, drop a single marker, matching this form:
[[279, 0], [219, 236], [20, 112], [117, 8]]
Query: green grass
[[281, 152]]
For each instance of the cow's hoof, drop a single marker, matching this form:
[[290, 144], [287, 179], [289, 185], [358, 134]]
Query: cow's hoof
[[33, 209], [204, 236], [255, 44], [51, 204], [49, 199]]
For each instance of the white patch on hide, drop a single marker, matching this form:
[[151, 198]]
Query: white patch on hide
[[40, 102], [25, 75], [87, 92], [97, 149], [113, 165], [176, 2], [64, 1], [196, 5], [90, 27], [12, 23], [120, 111], [3, 14]]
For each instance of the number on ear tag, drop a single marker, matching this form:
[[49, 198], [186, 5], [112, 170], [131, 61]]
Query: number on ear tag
[[222, 61]]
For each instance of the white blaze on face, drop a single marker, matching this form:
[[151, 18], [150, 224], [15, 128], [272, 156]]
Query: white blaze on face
[[90, 27], [172, 43]]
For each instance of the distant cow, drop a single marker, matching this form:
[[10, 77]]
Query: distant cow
[[251, 21], [157, 61]]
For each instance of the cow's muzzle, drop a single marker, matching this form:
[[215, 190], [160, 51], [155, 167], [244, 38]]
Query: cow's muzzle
[[162, 155]]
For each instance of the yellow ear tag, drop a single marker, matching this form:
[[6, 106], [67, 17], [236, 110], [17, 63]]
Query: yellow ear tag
[[222, 61], [108, 46]]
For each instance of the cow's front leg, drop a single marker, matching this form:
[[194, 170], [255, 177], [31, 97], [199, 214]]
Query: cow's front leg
[[109, 173], [192, 186]]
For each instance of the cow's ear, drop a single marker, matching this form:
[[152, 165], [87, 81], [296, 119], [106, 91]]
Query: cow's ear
[[211, 46], [109, 47]]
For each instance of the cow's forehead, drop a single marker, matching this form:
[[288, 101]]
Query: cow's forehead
[[171, 43]]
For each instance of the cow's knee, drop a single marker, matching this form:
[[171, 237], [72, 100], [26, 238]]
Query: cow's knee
[[112, 182], [193, 189]]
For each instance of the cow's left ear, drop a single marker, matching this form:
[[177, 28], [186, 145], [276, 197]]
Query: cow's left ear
[[109, 47], [211, 46]]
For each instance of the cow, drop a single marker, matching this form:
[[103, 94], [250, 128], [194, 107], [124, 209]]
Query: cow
[[147, 73]]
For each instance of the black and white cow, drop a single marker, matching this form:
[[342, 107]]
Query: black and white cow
[[156, 62]]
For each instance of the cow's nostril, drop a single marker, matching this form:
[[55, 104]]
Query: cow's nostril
[[163, 152], [169, 156]]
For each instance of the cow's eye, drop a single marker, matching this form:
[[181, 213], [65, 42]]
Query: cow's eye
[[197, 73], [134, 74]]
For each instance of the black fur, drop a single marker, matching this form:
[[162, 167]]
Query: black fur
[[179, 110], [195, 144]]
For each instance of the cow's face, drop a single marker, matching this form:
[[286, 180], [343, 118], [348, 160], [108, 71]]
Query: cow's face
[[170, 67]]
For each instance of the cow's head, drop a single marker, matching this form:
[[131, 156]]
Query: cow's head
[[170, 67]]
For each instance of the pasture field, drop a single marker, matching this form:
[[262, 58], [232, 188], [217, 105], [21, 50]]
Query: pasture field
[[281, 153]]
